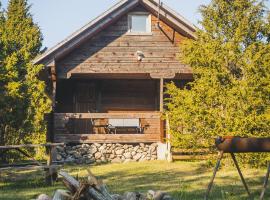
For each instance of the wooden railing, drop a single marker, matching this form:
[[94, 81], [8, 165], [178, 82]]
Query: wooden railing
[[78, 127]]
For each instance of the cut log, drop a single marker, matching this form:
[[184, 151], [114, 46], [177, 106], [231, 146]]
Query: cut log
[[71, 183], [92, 189], [62, 195]]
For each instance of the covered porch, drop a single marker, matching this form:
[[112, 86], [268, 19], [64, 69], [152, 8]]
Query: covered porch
[[86, 107]]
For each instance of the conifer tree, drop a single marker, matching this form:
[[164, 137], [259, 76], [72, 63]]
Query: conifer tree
[[22, 101], [230, 94]]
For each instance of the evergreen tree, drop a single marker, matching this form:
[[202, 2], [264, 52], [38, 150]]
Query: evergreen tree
[[22, 101], [230, 94]]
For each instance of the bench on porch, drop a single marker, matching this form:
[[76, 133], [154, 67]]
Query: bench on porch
[[115, 125]]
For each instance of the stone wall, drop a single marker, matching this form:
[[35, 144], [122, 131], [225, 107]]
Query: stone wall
[[103, 153]]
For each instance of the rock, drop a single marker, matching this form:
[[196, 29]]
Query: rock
[[142, 145], [43, 197], [60, 148], [77, 155], [83, 151], [85, 145], [120, 151], [98, 155], [69, 159], [93, 150], [97, 144], [127, 155], [58, 157], [133, 153], [125, 147], [102, 148], [136, 148], [137, 156], [112, 156]]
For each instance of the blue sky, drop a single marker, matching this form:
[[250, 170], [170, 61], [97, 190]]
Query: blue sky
[[60, 18]]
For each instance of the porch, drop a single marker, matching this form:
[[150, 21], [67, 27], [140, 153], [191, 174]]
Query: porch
[[78, 128], [85, 109]]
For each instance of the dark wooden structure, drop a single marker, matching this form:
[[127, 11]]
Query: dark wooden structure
[[105, 71], [238, 145]]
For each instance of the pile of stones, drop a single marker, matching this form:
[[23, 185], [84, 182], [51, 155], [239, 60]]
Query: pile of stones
[[103, 153]]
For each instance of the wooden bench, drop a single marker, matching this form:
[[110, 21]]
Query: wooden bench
[[115, 125]]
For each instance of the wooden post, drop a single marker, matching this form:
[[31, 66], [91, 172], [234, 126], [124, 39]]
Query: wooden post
[[161, 109], [214, 175], [50, 171], [241, 175], [265, 182], [161, 102]]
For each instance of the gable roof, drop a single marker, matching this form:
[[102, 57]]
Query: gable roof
[[178, 22]]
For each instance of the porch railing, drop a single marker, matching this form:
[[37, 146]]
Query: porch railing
[[78, 127]]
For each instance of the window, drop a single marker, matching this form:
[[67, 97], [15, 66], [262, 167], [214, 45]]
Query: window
[[139, 23]]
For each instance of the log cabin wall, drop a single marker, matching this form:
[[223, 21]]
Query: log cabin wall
[[84, 84], [113, 50]]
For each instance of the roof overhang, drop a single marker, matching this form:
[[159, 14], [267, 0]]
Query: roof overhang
[[179, 23]]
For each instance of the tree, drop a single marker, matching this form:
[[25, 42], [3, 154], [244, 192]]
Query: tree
[[23, 101], [230, 94]]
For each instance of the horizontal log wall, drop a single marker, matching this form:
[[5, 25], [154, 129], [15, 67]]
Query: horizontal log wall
[[151, 121], [113, 50]]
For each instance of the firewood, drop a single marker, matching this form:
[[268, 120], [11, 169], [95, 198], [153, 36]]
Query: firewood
[[71, 183], [61, 195], [92, 189]]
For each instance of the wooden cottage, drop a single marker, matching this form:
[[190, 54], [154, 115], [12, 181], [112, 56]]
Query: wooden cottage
[[107, 79]]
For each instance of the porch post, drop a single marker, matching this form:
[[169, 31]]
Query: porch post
[[161, 108], [50, 132]]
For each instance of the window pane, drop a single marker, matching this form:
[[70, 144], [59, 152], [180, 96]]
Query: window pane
[[139, 23]]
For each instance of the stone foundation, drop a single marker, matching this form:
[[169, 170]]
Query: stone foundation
[[103, 153]]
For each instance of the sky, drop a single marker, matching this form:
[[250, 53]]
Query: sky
[[60, 18]]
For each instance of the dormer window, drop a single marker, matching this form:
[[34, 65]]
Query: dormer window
[[139, 23]]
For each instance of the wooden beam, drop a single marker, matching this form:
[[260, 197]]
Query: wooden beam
[[161, 95], [164, 75], [150, 115], [31, 146], [108, 138]]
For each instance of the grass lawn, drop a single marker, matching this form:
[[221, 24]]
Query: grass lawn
[[183, 180]]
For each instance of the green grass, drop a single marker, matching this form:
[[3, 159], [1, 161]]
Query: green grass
[[183, 180]]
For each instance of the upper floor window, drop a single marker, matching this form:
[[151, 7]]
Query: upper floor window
[[139, 22]]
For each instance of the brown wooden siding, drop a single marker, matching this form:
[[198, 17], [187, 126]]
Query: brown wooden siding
[[114, 51], [150, 120]]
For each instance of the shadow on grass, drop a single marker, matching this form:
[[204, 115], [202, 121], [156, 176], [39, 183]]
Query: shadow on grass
[[182, 183]]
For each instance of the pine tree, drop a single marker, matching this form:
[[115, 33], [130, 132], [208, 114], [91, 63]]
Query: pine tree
[[23, 101], [230, 94]]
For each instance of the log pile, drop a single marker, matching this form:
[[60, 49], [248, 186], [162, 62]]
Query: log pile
[[93, 189]]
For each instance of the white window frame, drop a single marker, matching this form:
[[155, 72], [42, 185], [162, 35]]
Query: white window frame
[[149, 24]]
